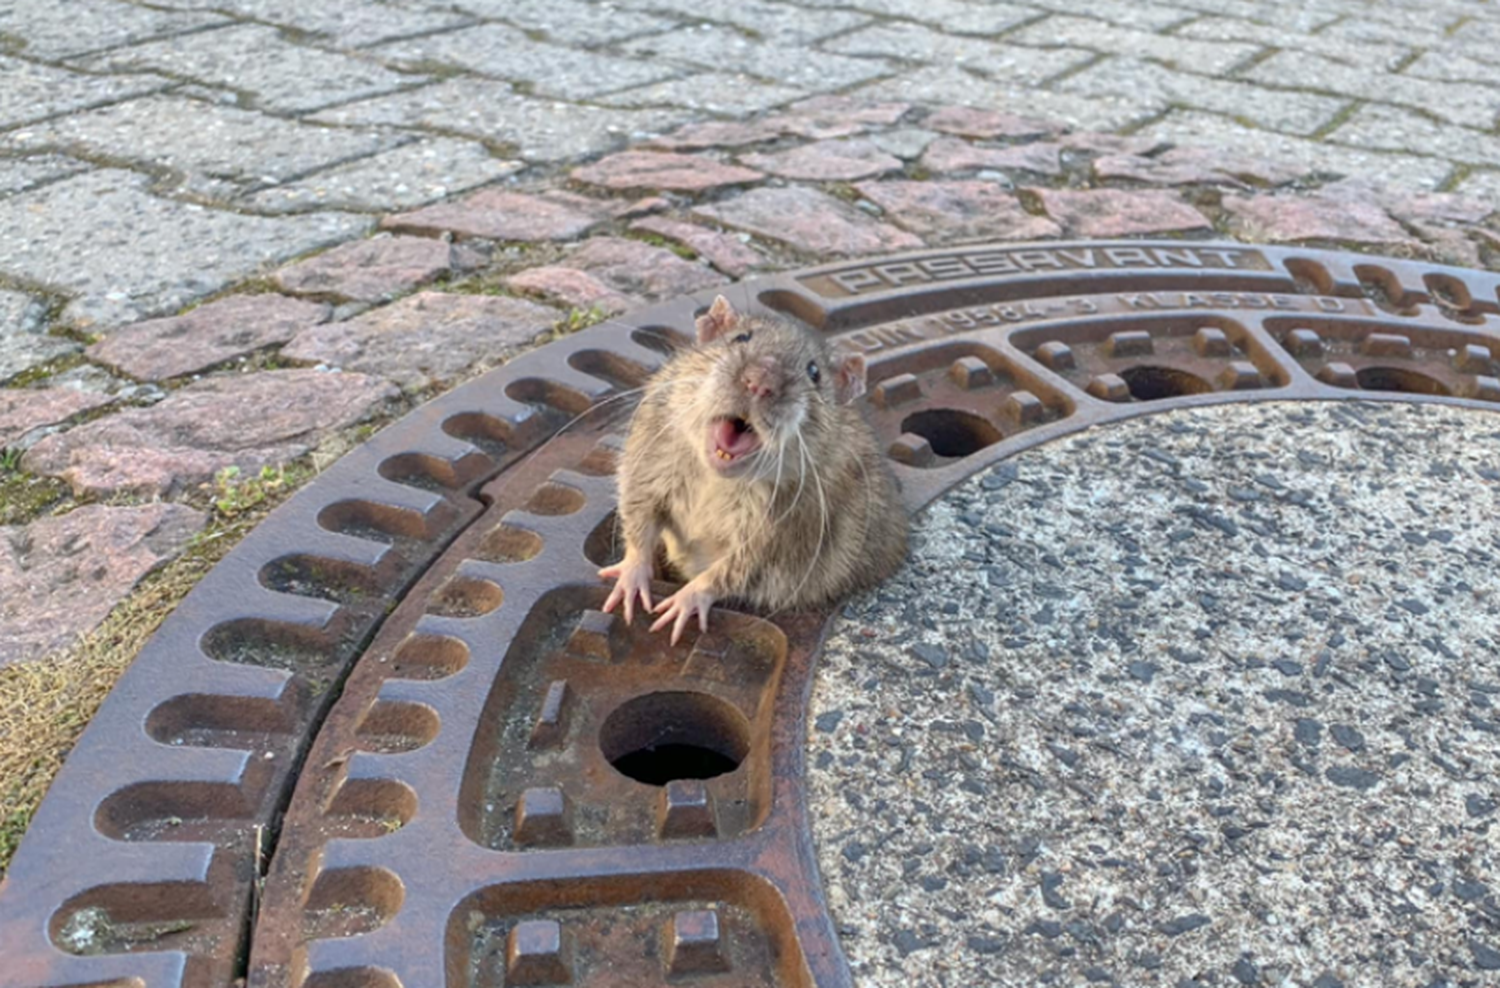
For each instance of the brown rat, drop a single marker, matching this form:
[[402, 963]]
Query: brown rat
[[748, 463]]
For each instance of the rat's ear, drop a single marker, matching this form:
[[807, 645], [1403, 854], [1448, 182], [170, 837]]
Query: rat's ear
[[718, 320], [848, 376]]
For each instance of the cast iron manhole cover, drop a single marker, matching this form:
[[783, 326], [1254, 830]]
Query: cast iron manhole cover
[[391, 739]]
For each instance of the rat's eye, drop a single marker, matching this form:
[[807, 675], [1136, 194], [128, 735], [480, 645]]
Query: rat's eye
[[742, 338], [812, 371]]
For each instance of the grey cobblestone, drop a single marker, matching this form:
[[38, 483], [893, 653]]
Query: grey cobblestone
[[1461, 103], [584, 77], [541, 130], [1145, 16], [1278, 36], [62, 30], [725, 48], [944, 85], [1183, 53], [1481, 185], [777, 23], [1450, 67], [908, 143], [1296, 18], [567, 21], [1477, 31], [1250, 10], [1289, 112], [177, 252], [1006, 63], [343, 24], [203, 142], [256, 60], [35, 92], [1392, 129], [411, 175], [716, 92], [1426, 32], [20, 174], [507, 53], [957, 16], [1191, 127], [24, 343]]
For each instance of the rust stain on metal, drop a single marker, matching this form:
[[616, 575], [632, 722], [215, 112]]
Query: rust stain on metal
[[391, 740]]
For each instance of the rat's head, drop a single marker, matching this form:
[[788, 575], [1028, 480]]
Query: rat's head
[[768, 393]]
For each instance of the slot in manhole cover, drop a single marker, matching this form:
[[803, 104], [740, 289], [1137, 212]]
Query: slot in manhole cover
[[399, 702]]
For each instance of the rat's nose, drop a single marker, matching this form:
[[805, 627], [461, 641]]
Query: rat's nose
[[760, 379]]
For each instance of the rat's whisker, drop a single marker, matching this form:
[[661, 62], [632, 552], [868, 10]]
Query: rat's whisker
[[801, 480], [595, 407], [822, 526]]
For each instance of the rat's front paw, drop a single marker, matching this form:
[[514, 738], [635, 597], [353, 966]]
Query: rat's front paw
[[632, 579], [678, 609]]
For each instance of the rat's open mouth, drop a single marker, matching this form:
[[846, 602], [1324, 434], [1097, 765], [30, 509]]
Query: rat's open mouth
[[732, 439]]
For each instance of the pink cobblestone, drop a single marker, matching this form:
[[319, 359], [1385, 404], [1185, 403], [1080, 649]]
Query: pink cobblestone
[[1115, 213], [208, 335], [827, 161], [495, 215], [247, 421], [957, 212], [663, 170], [25, 410], [370, 270], [722, 251], [809, 221], [60, 577], [948, 154], [425, 339]]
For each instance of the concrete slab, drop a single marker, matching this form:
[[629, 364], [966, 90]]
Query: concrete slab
[[1203, 698]]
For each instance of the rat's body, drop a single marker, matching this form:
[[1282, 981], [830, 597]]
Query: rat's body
[[747, 463]]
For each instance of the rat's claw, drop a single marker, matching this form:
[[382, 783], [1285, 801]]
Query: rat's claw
[[678, 609], [616, 594], [676, 616], [632, 580]]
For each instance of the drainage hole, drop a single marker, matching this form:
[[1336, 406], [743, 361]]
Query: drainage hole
[[952, 433], [1399, 379], [659, 765], [659, 737], [1155, 383]]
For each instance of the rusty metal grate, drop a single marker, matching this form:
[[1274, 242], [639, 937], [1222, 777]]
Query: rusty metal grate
[[391, 740]]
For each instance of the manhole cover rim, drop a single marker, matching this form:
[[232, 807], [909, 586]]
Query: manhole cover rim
[[66, 817]]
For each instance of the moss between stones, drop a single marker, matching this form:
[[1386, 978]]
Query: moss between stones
[[657, 240], [25, 496], [43, 371], [575, 321]]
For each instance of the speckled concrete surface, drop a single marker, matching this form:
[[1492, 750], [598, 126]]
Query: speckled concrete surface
[[1206, 698]]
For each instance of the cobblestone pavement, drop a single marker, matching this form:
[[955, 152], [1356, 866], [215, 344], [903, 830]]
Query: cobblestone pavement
[[202, 139], [174, 174]]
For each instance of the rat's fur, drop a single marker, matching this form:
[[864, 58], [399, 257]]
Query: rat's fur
[[810, 516]]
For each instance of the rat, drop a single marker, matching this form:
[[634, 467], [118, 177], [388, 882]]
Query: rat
[[749, 464]]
